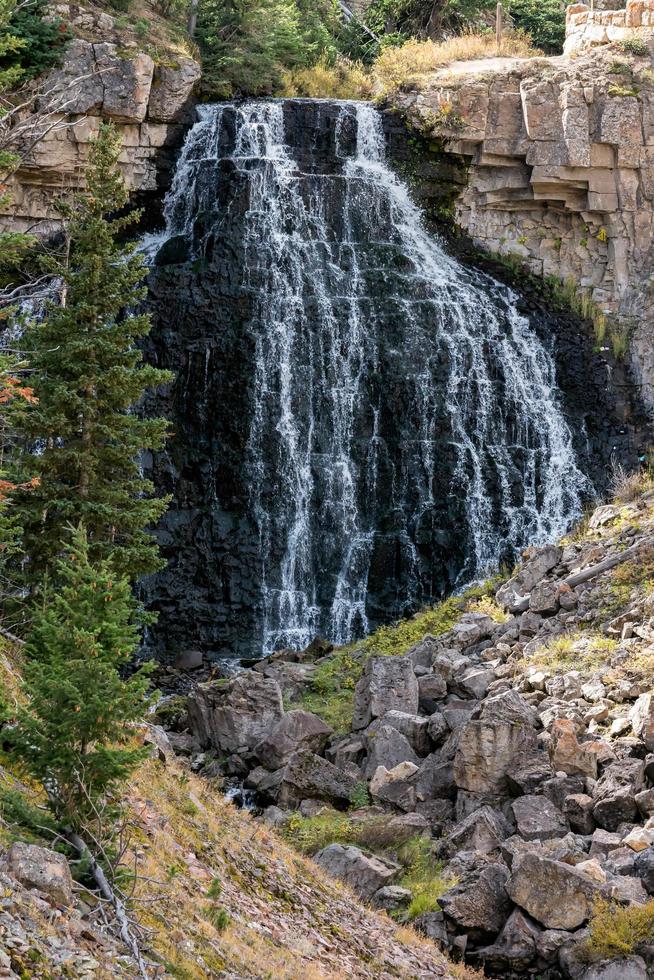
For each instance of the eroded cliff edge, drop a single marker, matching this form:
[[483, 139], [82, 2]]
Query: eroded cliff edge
[[559, 155]]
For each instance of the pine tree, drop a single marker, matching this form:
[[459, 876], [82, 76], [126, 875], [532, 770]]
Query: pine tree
[[71, 730], [88, 376]]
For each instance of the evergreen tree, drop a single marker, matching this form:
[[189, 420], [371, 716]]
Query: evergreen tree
[[88, 376], [71, 729]]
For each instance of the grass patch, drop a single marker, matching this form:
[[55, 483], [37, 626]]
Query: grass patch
[[635, 46], [310, 834], [399, 66], [616, 930], [332, 686], [627, 486], [423, 877], [575, 651]]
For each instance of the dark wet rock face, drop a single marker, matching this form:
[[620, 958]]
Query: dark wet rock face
[[360, 421]]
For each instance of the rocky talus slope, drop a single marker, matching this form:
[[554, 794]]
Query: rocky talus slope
[[513, 746]]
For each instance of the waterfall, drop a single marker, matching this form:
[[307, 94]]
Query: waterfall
[[404, 422]]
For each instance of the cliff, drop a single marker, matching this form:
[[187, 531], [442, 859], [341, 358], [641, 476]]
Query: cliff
[[560, 166], [106, 75]]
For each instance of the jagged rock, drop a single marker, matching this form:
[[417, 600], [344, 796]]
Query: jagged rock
[[645, 802], [482, 831], [364, 873], [432, 925], [544, 598], [604, 841], [43, 869], [549, 943], [474, 682], [457, 713], [559, 788], [537, 818], [391, 898], [308, 775], [516, 946], [567, 754], [623, 968], [171, 90], [437, 728], [641, 717], [346, 751], [386, 684], [126, 83], [297, 729], [386, 747], [615, 794], [512, 592], [415, 728], [555, 894], [639, 838], [434, 779], [528, 776], [189, 660], [644, 868], [432, 689], [570, 849], [578, 809], [499, 740], [403, 826], [479, 901], [423, 653], [162, 748], [471, 629], [437, 812], [236, 716], [393, 786]]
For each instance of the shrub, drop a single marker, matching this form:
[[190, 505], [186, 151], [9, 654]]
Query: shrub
[[41, 43], [635, 46], [628, 485], [310, 834], [423, 877], [542, 20], [342, 79], [616, 930]]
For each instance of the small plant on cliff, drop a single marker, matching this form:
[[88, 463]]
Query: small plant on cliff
[[635, 46], [88, 376], [71, 730]]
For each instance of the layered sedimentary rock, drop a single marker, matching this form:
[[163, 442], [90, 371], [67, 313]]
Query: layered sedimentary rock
[[560, 157], [150, 103]]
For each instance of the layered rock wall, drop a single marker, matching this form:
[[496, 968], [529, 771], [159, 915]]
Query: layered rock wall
[[586, 27], [560, 158], [149, 102]]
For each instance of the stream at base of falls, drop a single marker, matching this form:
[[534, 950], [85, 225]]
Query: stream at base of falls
[[362, 422]]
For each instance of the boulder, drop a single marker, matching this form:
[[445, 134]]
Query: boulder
[[622, 968], [386, 747], [234, 717], [296, 729], [434, 779], [471, 629], [349, 750], [526, 777], [615, 793], [126, 83], [364, 873], [158, 738], [487, 749], [309, 775], [474, 682], [479, 900], [415, 728], [438, 728], [457, 713], [555, 894], [431, 691], [558, 788], [386, 684], [393, 786], [392, 898], [578, 809], [510, 595], [482, 831], [567, 754], [644, 868], [172, 86], [511, 707], [515, 948], [544, 598], [42, 869], [641, 717], [537, 818]]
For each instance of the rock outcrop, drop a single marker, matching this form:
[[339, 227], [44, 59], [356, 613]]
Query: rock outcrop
[[151, 103], [560, 165]]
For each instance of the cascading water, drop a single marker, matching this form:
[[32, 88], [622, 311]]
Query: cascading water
[[399, 430]]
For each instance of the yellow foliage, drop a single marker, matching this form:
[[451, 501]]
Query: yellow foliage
[[616, 930], [344, 79]]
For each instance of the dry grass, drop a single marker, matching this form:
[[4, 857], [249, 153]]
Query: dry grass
[[627, 486], [616, 930], [575, 651], [344, 79], [396, 67]]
